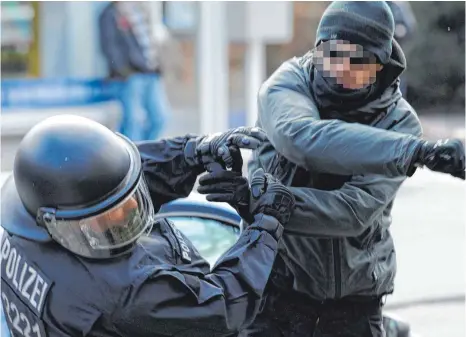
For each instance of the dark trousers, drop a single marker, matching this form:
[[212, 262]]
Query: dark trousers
[[291, 315]]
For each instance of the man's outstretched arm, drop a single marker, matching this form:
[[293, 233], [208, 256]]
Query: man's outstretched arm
[[292, 123]]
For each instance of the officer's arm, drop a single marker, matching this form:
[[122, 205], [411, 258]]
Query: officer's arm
[[292, 123], [166, 171], [182, 302]]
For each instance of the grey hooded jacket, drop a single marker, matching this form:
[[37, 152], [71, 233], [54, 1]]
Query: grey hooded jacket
[[344, 176]]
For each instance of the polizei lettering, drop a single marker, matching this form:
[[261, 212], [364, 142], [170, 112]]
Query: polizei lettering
[[25, 279], [185, 251]]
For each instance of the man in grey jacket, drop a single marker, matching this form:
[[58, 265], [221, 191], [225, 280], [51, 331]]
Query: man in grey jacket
[[344, 140]]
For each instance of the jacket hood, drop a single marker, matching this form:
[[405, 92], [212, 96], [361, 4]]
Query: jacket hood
[[392, 70]]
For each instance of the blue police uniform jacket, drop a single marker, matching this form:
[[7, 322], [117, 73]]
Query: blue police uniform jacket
[[163, 287]]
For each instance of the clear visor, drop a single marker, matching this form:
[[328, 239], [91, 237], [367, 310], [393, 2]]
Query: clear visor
[[110, 233]]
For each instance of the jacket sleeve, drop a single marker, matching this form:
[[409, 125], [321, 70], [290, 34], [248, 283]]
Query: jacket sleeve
[[166, 172], [345, 212], [292, 123], [109, 41], [349, 210], [177, 302]]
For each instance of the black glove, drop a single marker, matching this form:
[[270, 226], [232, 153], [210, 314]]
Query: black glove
[[446, 156], [213, 151], [271, 197], [230, 187]]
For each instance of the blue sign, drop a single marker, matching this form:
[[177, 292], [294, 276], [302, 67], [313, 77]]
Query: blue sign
[[45, 93]]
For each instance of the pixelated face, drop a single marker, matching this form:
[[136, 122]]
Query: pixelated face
[[348, 64]]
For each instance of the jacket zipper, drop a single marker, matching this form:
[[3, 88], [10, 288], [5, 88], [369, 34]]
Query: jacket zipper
[[337, 267]]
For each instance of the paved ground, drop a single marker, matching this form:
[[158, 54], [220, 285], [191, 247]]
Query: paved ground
[[428, 228]]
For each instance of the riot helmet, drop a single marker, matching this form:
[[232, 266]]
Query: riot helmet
[[83, 183]]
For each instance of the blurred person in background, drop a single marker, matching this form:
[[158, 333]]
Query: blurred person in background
[[405, 29], [83, 255], [133, 55], [343, 139]]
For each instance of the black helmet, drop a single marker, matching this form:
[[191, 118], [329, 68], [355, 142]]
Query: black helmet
[[84, 185]]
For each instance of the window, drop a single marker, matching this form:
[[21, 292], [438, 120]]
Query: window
[[19, 39], [211, 237]]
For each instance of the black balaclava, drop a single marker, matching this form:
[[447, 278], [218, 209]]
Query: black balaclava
[[369, 24]]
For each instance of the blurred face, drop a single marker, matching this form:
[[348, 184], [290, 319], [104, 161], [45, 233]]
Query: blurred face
[[350, 66], [118, 217]]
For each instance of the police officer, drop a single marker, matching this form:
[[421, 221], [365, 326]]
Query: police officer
[[76, 256]]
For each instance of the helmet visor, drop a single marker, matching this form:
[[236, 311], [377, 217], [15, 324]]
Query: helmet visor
[[110, 233]]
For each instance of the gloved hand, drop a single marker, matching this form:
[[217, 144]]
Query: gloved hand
[[446, 156], [271, 197], [213, 151], [228, 186]]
